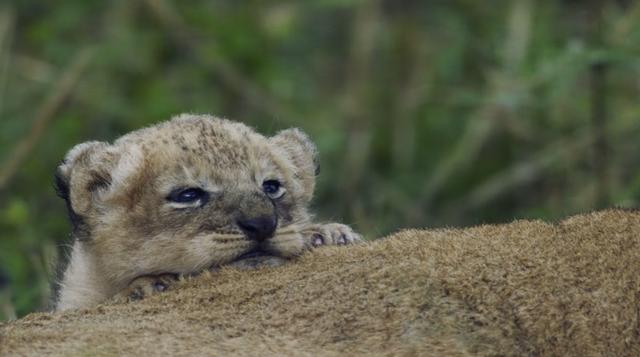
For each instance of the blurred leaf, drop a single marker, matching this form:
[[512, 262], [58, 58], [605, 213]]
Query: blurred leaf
[[16, 213]]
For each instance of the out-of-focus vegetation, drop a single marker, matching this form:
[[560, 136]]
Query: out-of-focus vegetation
[[426, 113]]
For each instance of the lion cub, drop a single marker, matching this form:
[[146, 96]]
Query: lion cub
[[183, 196]]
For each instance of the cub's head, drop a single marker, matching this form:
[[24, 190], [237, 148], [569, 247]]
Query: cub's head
[[187, 194]]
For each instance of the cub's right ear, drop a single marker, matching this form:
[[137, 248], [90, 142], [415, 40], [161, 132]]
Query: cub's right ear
[[84, 171]]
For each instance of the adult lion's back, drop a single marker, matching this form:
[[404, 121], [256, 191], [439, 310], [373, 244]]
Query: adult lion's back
[[528, 287]]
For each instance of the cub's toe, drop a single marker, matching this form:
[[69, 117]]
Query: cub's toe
[[334, 234], [146, 286]]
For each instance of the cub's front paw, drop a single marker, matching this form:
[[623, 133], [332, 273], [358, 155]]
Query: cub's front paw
[[146, 286], [332, 234]]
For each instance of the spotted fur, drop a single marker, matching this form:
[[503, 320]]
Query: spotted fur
[[127, 231]]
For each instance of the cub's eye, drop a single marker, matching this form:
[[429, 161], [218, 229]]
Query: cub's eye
[[188, 195], [273, 188]]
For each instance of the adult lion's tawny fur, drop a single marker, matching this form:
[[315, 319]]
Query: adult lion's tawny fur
[[525, 288]]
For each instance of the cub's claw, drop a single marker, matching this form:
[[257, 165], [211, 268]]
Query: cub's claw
[[318, 239], [146, 286], [332, 234]]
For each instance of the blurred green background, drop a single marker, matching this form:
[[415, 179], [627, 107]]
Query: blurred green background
[[426, 113]]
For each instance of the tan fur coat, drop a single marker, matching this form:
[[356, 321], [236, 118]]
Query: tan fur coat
[[525, 288]]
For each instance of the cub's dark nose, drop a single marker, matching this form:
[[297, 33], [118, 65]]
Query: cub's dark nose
[[258, 228]]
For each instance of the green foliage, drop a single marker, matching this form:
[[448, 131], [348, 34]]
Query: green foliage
[[425, 113]]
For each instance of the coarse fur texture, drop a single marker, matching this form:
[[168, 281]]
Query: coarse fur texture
[[526, 288], [183, 196]]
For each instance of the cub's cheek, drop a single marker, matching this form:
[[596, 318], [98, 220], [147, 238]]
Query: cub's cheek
[[205, 250]]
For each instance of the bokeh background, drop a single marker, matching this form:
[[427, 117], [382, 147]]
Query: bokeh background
[[426, 113]]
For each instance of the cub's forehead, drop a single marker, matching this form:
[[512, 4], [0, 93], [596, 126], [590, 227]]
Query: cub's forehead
[[200, 143]]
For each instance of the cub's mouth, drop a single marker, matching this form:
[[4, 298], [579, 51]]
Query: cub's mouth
[[254, 253]]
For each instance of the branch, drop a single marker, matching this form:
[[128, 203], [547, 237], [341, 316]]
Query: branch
[[353, 105], [59, 93], [6, 35], [480, 128], [599, 111], [170, 19], [520, 174]]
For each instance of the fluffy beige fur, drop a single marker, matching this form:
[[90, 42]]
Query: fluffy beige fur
[[132, 239], [525, 288]]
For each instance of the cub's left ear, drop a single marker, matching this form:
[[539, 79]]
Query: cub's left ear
[[302, 152]]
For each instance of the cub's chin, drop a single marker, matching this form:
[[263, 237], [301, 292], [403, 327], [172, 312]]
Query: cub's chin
[[257, 259]]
